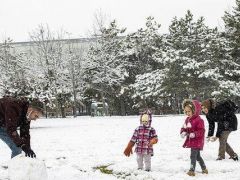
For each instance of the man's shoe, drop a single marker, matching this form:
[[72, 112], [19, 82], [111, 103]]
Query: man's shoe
[[235, 157], [191, 173], [220, 158], [205, 171]]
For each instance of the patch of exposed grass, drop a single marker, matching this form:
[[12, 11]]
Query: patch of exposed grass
[[104, 169]]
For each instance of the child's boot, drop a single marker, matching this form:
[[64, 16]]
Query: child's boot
[[205, 171], [191, 173]]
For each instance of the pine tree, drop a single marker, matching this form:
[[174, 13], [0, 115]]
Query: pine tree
[[189, 50], [104, 68], [143, 54], [230, 86], [142, 50], [13, 79]]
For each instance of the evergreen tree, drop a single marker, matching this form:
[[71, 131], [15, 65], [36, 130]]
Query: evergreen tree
[[13, 81], [188, 50], [144, 63], [104, 69], [230, 85], [142, 50]]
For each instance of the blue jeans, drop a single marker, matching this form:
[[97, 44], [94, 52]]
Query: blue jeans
[[5, 138]]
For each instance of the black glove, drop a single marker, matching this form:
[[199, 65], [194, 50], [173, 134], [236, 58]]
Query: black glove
[[28, 151]]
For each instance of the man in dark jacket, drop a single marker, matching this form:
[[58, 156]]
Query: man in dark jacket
[[224, 115], [16, 113]]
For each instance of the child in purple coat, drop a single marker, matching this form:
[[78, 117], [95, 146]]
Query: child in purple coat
[[193, 129], [144, 137]]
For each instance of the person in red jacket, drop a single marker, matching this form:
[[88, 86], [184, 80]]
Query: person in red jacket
[[193, 130], [16, 113]]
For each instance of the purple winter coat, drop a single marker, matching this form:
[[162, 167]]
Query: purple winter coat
[[195, 125]]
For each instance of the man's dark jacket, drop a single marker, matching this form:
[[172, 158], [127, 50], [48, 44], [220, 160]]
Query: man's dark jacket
[[224, 115], [13, 115]]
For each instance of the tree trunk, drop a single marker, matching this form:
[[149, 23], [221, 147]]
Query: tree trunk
[[123, 110], [104, 105]]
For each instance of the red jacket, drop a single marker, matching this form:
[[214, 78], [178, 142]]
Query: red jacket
[[195, 125]]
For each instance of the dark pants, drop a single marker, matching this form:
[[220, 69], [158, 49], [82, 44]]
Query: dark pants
[[195, 156], [224, 146], [5, 138]]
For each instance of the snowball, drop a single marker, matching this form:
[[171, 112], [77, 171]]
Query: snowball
[[25, 168]]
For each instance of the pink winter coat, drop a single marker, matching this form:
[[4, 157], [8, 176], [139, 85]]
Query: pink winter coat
[[195, 125]]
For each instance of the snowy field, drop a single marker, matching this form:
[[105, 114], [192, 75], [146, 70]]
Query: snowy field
[[72, 149]]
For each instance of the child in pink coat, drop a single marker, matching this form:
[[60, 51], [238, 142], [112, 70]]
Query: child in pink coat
[[193, 130]]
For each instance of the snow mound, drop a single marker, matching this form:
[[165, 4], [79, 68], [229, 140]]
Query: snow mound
[[25, 168]]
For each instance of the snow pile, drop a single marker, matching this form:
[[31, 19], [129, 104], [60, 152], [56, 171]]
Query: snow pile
[[25, 168]]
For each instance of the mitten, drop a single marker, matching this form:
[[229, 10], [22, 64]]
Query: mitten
[[192, 135], [28, 151], [153, 141], [128, 150], [183, 134]]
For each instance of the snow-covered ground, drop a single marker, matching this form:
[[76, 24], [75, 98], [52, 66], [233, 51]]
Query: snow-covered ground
[[73, 148]]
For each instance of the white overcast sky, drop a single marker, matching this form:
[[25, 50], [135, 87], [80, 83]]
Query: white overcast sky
[[19, 17]]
